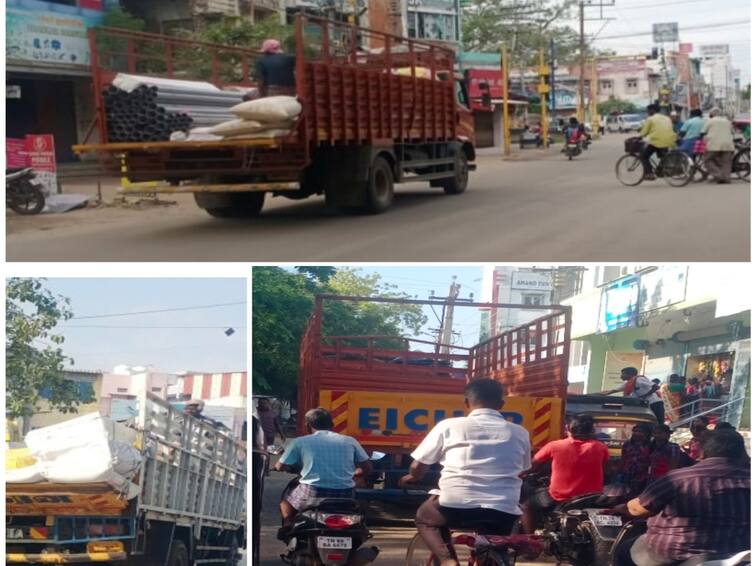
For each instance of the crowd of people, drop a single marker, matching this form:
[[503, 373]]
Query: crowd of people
[[696, 497], [714, 137]]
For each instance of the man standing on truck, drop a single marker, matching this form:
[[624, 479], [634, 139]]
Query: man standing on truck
[[326, 462], [577, 469], [274, 70], [640, 387], [482, 456]]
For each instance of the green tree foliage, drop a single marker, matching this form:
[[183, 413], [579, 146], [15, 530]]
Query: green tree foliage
[[618, 106], [283, 302], [34, 358]]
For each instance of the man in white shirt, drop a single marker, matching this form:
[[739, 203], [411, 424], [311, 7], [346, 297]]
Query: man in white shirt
[[719, 142], [482, 456]]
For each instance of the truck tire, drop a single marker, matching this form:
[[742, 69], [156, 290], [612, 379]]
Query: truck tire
[[178, 556], [458, 183], [379, 195], [231, 205]]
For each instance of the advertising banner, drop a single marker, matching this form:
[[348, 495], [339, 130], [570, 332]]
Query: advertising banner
[[15, 153], [49, 37], [618, 306], [663, 287], [622, 65], [666, 32], [711, 50], [685, 48], [40, 151]]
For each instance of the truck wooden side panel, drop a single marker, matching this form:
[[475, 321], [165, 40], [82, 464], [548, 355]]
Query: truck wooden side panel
[[397, 422]]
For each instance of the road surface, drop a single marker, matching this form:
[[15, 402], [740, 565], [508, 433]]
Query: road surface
[[392, 540], [537, 208]]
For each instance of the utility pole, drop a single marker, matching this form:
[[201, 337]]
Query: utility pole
[[446, 330], [543, 89], [505, 113], [581, 91]]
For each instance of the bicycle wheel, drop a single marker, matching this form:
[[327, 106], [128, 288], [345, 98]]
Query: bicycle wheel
[[699, 172], [629, 170], [677, 168], [741, 164]]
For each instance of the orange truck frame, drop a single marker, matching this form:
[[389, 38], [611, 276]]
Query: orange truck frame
[[388, 395], [378, 110]]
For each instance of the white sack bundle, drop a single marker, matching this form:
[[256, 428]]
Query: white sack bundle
[[235, 128], [272, 109]]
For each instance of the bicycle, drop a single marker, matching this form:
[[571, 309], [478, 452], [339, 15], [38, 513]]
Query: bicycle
[[476, 549], [675, 166], [740, 165]]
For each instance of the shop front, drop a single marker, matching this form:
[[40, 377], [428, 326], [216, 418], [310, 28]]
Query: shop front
[[48, 85]]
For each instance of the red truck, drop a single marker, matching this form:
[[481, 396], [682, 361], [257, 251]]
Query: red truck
[[378, 109], [387, 392]]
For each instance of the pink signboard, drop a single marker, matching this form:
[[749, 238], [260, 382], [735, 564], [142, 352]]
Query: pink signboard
[[15, 153], [685, 48], [621, 65], [40, 150]]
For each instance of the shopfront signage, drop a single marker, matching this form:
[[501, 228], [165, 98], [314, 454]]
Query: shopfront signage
[[49, 37], [527, 281], [619, 304], [712, 50], [621, 65], [15, 153], [663, 287]]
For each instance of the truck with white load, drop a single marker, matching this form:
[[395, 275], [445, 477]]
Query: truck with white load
[[162, 488]]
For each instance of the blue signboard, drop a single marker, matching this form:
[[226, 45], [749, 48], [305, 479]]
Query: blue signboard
[[48, 33], [619, 304]]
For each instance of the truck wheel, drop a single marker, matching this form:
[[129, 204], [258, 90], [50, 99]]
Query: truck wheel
[[231, 205], [178, 554], [379, 187], [458, 183]]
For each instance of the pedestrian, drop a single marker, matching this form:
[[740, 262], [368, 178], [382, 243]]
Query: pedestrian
[[692, 395], [665, 455], [603, 121], [697, 427], [719, 140], [700, 510], [659, 133], [635, 459], [640, 387], [270, 422], [274, 70], [691, 130]]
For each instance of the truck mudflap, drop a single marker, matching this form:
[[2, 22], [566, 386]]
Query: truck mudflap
[[139, 189], [63, 558]]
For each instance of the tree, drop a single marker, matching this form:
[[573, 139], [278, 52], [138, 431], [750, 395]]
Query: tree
[[283, 302], [616, 105], [34, 360]]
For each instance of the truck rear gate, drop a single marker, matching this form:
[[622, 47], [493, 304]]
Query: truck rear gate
[[388, 396]]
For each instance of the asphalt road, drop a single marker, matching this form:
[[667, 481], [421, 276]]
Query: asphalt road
[[538, 207]]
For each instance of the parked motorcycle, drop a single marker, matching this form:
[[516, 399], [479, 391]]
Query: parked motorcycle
[[22, 194], [329, 533]]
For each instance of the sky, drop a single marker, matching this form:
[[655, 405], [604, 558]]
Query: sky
[[104, 342], [717, 22]]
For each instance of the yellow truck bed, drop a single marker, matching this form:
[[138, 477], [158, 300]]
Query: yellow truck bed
[[44, 498]]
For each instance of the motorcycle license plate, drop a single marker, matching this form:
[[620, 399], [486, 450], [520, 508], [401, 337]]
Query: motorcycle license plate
[[608, 520], [334, 542]]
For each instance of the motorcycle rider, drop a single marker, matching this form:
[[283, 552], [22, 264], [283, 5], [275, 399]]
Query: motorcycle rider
[[577, 469], [482, 456], [328, 461], [700, 510]]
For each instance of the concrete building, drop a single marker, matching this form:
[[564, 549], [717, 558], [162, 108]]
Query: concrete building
[[167, 17], [690, 320], [721, 77], [47, 70], [628, 78], [89, 388]]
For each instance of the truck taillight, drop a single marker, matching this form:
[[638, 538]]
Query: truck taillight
[[334, 521]]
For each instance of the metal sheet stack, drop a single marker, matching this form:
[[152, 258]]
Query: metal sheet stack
[[151, 112]]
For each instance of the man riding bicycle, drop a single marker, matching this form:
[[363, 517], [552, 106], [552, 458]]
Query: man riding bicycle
[[659, 131], [482, 456]]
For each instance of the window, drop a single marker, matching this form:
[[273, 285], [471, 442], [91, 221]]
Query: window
[[532, 299], [606, 86], [122, 390], [156, 389], [632, 86]]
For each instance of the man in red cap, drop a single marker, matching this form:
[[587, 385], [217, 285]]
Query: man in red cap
[[274, 70]]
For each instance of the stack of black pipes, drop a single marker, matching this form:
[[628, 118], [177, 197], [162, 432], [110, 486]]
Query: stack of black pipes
[[151, 113]]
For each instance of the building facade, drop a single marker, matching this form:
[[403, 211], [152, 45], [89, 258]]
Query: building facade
[[693, 321]]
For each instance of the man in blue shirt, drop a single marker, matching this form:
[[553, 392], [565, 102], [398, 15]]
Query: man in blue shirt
[[692, 129], [327, 460]]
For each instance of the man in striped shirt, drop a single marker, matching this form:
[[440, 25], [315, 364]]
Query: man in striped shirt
[[701, 510]]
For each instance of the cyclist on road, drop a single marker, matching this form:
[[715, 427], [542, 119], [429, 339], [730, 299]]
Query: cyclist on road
[[482, 456], [659, 131], [577, 469]]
